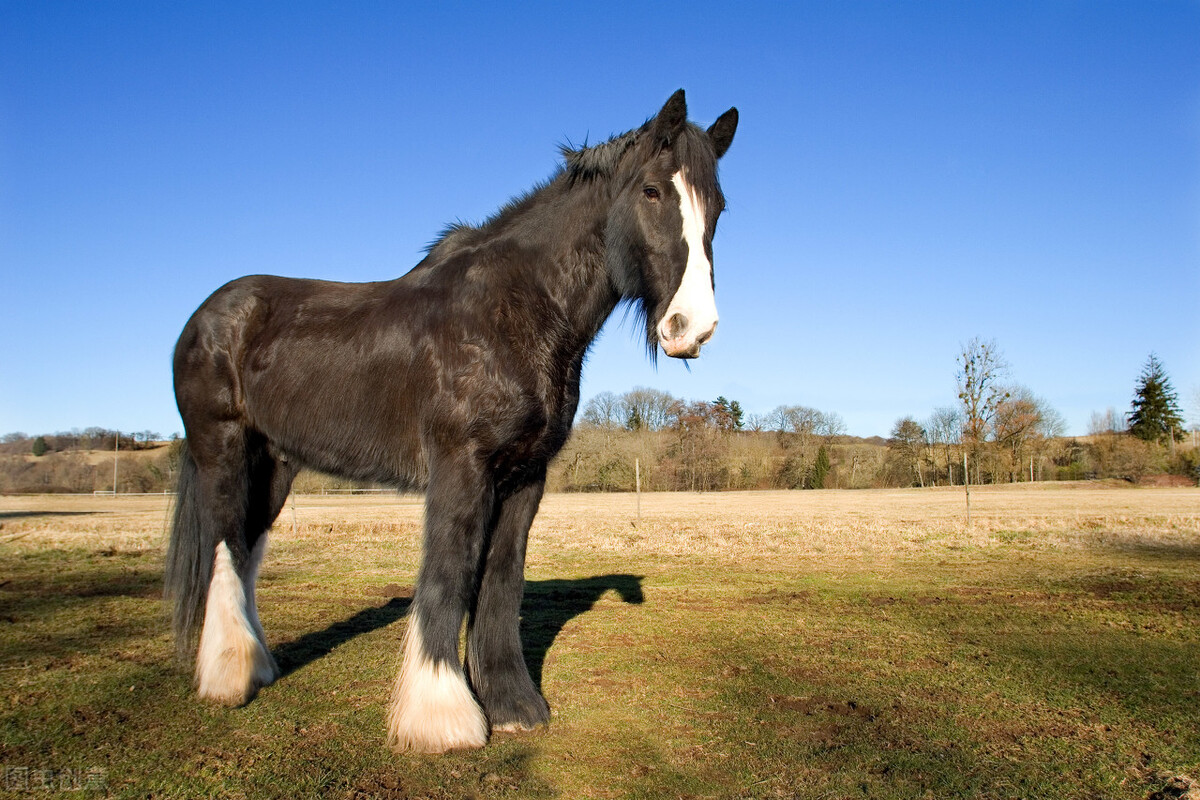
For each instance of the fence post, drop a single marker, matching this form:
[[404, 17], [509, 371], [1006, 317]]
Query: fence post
[[637, 478], [967, 486]]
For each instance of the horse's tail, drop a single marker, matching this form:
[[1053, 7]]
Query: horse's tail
[[189, 559]]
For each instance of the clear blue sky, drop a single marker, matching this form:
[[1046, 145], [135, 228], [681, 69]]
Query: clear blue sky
[[905, 176]]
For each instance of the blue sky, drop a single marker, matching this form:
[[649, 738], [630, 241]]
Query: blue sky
[[905, 176]]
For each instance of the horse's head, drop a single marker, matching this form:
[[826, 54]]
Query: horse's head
[[666, 201]]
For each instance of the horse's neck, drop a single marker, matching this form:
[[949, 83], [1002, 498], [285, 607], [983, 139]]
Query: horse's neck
[[543, 254], [567, 233]]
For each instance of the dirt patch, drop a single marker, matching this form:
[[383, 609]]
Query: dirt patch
[[1175, 596], [1105, 589], [985, 595], [775, 597], [1178, 787], [967, 595], [1167, 482], [810, 706]]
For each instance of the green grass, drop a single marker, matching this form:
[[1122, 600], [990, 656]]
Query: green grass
[[1028, 666]]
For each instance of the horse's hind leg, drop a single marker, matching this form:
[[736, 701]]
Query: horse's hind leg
[[432, 708], [495, 660], [270, 482], [233, 661]]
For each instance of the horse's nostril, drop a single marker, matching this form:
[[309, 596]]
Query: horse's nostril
[[703, 338], [676, 325]]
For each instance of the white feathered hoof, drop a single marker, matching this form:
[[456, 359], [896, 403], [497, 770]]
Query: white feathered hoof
[[432, 708], [232, 663]]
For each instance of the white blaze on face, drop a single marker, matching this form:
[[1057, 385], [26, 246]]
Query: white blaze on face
[[692, 314]]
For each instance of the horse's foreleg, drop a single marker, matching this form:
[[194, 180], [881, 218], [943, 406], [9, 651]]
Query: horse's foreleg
[[495, 660], [432, 708]]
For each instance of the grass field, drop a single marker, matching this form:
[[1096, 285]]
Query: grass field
[[757, 645]]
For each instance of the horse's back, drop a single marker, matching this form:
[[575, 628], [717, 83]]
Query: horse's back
[[329, 373], [333, 374]]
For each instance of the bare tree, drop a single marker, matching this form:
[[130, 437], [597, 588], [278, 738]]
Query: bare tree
[[830, 424], [1106, 422], [1195, 415], [1053, 424], [647, 409], [1016, 425], [803, 421], [981, 368], [603, 411], [1022, 428], [698, 446], [944, 431], [757, 423]]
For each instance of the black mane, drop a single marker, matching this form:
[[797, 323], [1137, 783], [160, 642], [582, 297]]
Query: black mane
[[583, 164], [597, 161], [586, 164], [692, 144]]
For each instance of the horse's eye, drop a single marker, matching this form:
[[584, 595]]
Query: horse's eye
[[651, 193]]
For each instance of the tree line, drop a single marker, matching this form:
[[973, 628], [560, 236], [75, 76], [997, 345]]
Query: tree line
[[87, 439], [140, 465], [999, 431], [701, 445]]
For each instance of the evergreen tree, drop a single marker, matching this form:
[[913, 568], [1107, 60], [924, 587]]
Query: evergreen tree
[[735, 411], [728, 414], [39, 446], [721, 412], [820, 468], [908, 442], [1156, 416]]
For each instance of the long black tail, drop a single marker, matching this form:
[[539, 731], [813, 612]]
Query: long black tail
[[189, 560]]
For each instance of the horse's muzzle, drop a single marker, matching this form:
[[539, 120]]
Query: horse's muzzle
[[687, 346]]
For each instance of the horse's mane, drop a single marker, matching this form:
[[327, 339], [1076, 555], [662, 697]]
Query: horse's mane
[[584, 164], [579, 164], [597, 161]]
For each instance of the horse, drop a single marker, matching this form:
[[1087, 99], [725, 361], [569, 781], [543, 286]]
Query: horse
[[461, 378]]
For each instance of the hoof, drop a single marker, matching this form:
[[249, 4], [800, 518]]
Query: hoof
[[522, 714], [233, 675], [232, 663], [432, 708]]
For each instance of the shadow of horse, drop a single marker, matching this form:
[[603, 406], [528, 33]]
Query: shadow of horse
[[26, 514], [547, 608], [318, 644], [549, 605]]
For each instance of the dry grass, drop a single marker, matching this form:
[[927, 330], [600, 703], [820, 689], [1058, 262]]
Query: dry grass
[[834, 524], [735, 525], [758, 645]]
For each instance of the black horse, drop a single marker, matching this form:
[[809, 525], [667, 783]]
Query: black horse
[[461, 377]]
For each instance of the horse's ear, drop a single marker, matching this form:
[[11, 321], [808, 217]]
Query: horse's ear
[[722, 131], [671, 119]]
